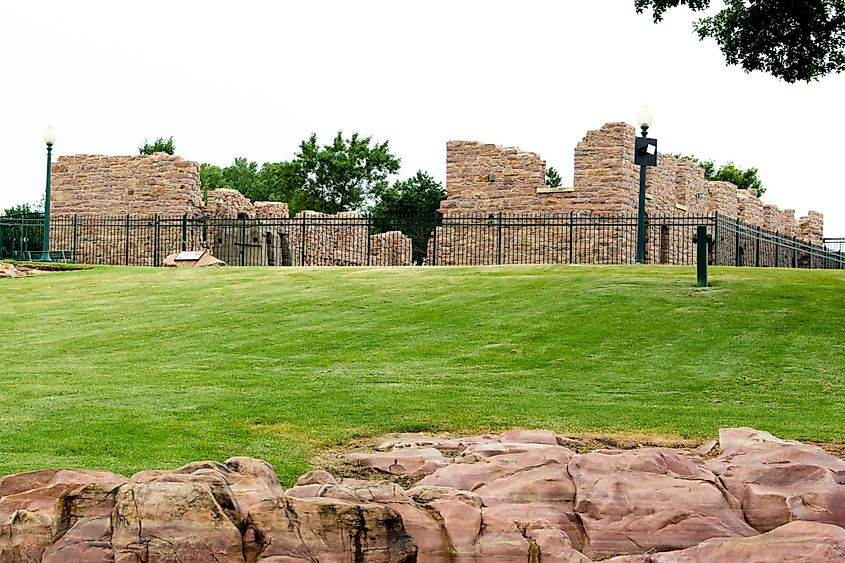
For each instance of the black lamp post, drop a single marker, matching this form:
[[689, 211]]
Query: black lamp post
[[645, 154], [49, 139]]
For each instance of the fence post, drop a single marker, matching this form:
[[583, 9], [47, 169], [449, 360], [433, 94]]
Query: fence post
[[73, 240], [434, 242], [243, 240], [1, 241], [126, 243], [499, 240], [369, 226], [757, 247], [302, 242], [795, 252], [716, 239], [156, 239], [571, 229], [184, 232], [737, 260], [777, 249]]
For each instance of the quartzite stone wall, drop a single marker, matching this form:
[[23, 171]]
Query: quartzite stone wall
[[483, 180], [126, 185], [116, 196], [487, 187], [110, 193]]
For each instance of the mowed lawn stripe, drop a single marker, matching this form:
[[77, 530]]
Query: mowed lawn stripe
[[131, 368]]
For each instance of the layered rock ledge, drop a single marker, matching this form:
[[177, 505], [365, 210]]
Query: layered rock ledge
[[518, 496]]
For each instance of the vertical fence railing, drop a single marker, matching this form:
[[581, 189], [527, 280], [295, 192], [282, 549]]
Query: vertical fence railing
[[363, 240]]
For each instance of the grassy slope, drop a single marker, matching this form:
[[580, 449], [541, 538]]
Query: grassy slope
[[124, 368]]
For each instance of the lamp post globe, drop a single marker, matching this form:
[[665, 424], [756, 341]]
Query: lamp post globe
[[49, 140], [50, 136], [645, 117], [645, 154]]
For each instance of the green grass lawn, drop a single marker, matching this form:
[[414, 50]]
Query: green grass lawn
[[130, 368]]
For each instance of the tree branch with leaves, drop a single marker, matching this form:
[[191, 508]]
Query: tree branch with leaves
[[795, 41]]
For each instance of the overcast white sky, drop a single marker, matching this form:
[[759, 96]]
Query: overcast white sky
[[253, 79]]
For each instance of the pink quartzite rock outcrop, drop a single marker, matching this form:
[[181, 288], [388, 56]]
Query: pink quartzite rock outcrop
[[651, 499], [515, 497], [779, 481]]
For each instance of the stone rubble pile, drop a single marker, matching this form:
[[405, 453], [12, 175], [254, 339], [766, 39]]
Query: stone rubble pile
[[10, 271], [518, 496]]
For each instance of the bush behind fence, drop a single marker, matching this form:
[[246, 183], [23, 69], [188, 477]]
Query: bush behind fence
[[360, 240]]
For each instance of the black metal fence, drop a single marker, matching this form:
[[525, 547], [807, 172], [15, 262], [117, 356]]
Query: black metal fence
[[360, 240], [835, 244]]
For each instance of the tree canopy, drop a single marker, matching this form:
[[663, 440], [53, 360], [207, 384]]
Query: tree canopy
[[789, 39], [341, 176], [418, 195], [344, 174], [730, 172], [160, 145]]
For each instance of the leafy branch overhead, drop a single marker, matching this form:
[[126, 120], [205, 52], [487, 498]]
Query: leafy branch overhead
[[789, 39]]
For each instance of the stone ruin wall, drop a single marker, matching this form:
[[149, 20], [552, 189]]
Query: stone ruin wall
[[308, 239], [126, 185], [107, 192], [484, 180]]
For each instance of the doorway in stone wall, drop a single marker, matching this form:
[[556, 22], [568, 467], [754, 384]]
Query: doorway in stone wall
[[664, 244], [278, 249]]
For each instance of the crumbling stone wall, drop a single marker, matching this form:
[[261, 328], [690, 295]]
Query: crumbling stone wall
[[126, 185], [488, 187], [344, 239], [391, 248], [606, 182], [811, 228], [484, 180], [115, 199]]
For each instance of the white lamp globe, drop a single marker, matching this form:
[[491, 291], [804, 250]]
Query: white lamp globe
[[50, 136], [645, 117]]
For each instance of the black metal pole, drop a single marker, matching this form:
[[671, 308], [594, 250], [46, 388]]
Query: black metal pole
[[641, 218], [434, 242], [45, 254], [184, 232], [701, 240], [499, 241]]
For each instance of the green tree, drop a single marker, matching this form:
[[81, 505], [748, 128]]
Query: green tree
[[345, 174], [160, 145], [284, 181], [26, 235], [211, 177], [342, 176], [730, 172], [409, 206], [553, 179], [242, 175], [419, 195], [790, 39]]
